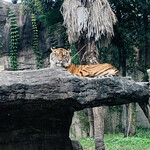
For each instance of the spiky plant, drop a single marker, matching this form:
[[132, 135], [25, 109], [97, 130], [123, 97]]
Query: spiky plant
[[94, 20]]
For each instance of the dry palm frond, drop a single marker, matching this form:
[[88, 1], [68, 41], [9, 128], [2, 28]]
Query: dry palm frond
[[101, 20], [96, 21], [75, 18]]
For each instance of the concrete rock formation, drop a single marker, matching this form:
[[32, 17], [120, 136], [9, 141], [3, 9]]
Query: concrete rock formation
[[58, 84], [26, 56], [37, 106]]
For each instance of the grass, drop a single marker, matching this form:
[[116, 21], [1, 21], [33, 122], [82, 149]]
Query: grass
[[141, 141], [87, 143]]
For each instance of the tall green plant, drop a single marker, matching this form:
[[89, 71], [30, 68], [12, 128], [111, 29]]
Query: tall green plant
[[35, 43], [14, 40]]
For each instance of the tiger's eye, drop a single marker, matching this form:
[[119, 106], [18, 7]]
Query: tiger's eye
[[64, 53], [57, 53]]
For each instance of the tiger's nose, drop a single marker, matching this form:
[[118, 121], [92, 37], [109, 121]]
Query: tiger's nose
[[60, 61]]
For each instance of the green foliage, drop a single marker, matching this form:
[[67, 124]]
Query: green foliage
[[14, 40], [52, 15], [38, 6], [44, 8], [32, 6], [56, 32], [138, 142], [112, 111], [87, 143], [74, 55], [53, 40], [143, 132], [109, 54], [35, 43], [141, 141], [83, 117], [66, 42], [132, 29], [145, 77], [118, 142]]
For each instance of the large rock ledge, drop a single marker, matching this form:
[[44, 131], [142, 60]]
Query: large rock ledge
[[36, 107], [57, 86]]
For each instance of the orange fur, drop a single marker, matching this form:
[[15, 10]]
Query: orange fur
[[62, 57], [92, 70]]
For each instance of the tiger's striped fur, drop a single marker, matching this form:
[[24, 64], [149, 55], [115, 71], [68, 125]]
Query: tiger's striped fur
[[61, 57]]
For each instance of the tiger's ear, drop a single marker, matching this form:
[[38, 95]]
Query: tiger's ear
[[52, 49], [69, 50]]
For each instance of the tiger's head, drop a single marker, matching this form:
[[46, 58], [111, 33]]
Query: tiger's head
[[60, 57]]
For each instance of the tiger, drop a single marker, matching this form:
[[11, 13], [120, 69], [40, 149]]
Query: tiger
[[61, 57]]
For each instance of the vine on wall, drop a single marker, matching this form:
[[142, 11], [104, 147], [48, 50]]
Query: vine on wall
[[14, 40], [35, 43], [53, 40]]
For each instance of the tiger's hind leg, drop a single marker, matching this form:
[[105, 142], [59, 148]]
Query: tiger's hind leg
[[108, 73]]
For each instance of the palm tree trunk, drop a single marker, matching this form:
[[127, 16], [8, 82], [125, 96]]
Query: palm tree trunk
[[91, 53], [99, 128], [88, 21], [90, 56]]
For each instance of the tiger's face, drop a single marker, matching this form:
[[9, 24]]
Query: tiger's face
[[60, 57]]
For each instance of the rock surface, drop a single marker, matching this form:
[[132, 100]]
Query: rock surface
[[76, 145], [148, 71], [37, 106], [57, 86], [26, 56]]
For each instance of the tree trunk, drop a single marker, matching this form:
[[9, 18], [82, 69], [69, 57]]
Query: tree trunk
[[89, 55], [81, 46], [92, 58], [99, 128], [130, 129], [91, 122]]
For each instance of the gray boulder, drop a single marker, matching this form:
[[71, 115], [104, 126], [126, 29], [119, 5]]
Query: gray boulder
[[37, 106]]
